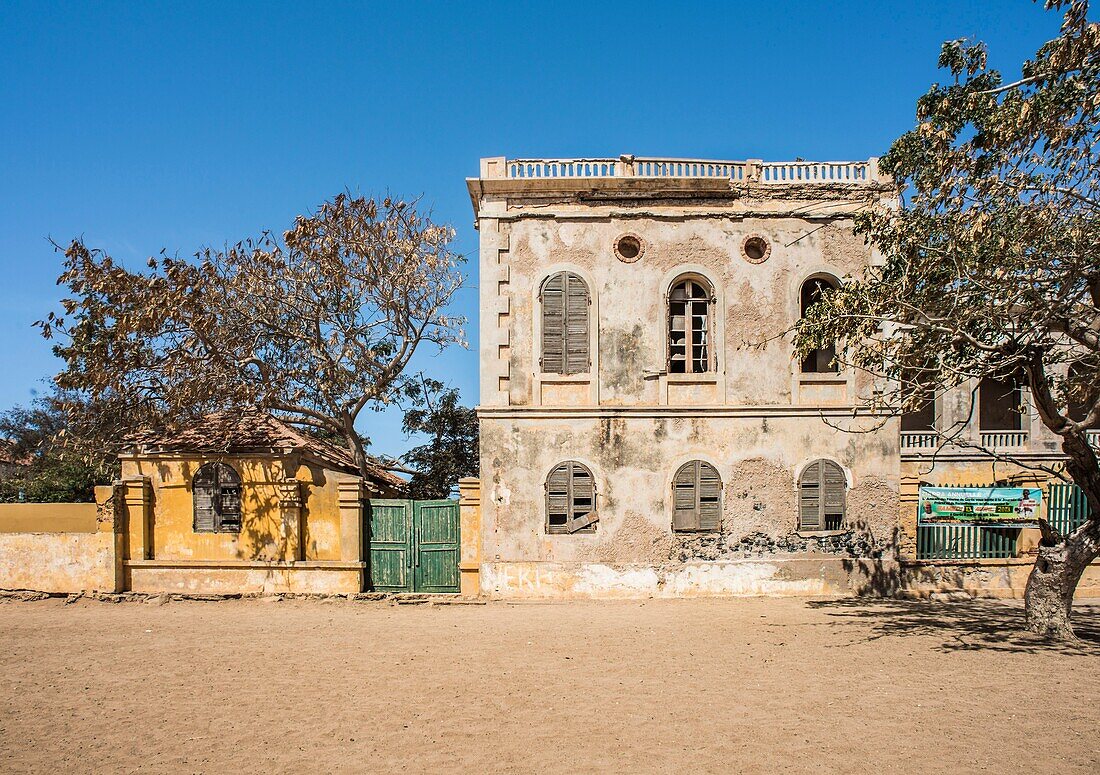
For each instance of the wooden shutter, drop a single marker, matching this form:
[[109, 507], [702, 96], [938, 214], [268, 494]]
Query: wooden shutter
[[570, 499], [227, 503], [204, 489], [582, 500], [696, 498], [552, 300], [710, 497], [685, 514], [576, 326], [557, 499], [809, 498], [832, 502]]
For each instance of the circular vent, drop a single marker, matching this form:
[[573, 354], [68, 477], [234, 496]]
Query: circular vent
[[755, 249], [629, 248]]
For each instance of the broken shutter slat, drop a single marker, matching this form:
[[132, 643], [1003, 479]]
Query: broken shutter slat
[[570, 499]]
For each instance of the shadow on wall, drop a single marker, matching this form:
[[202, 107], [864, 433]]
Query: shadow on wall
[[979, 625]]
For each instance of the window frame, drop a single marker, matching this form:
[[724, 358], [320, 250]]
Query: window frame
[[698, 521], [709, 330], [575, 338], [816, 356], [222, 520], [817, 468], [575, 524], [1019, 412]]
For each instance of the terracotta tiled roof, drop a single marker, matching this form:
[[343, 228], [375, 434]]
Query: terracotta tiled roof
[[240, 432]]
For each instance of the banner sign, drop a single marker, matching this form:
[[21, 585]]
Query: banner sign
[[988, 506]]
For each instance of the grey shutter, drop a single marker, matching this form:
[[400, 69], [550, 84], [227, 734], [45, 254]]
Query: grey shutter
[[576, 325], [227, 502], [809, 497], [685, 514], [582, 501], [710, 497], [833, 486], [552, 299], [557, 499], [204, 487]]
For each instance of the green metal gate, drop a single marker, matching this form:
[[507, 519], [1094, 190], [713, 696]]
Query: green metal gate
[[413, 545]]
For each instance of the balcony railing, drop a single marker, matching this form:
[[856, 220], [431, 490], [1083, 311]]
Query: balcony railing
[[918, 440], [751, 170], [1003, 439], [1094, 439]]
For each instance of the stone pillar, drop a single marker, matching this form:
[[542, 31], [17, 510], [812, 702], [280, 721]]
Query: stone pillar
[[352, 493], [109, 519], [469, 556], [290, 509], [137, 512], [908, 497]]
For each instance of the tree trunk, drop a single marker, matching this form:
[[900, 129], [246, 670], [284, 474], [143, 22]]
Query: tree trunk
[[1048, 597]]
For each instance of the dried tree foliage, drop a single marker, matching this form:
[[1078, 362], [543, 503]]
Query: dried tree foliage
[[992, 264], [314, 327]]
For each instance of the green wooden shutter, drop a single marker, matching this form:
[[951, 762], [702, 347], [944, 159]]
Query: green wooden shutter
[[576, 326], [552, 299], [809, 497], [710, 497], [832, 503]]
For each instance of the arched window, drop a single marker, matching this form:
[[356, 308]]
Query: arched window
[[689, 327], [570, 499], [1000, 403], [821, 494], [1082, 396], [822, 360], [565, 302], [922, 417], [696, 498], [216, 490]]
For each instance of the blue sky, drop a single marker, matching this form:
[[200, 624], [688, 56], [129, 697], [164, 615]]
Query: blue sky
[[144, 126]]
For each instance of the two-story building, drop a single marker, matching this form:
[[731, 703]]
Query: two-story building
[[645, 425]]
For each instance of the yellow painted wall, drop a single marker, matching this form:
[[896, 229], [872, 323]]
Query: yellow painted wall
[[320, 512], [269, 527], [61, 547], [47, 518]]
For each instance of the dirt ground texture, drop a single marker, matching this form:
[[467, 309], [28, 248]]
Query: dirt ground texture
[[716, 685]]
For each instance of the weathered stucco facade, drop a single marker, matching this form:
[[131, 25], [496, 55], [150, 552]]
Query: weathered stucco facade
[[753, 413]]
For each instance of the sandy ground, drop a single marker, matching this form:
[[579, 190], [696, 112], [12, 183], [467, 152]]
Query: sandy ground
[[734, 685]]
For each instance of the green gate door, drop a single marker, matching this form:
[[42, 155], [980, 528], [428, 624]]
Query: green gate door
[[413, 546]]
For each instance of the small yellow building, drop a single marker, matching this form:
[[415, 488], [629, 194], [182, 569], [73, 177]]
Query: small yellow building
[[244, 503]]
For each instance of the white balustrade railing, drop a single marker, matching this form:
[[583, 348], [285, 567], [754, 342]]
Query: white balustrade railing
[[918, 440], [755, 171], [1094, 439], [816, 172], [1003, 439]]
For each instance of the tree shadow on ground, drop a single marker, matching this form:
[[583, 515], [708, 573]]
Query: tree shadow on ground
[[977, 625]]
